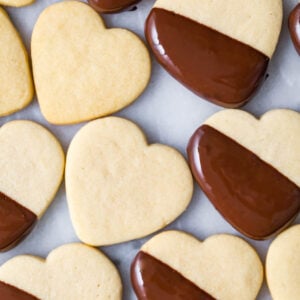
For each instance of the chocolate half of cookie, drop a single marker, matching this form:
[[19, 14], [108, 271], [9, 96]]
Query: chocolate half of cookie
[[9, 292], [112, 6], [154, 280], [16, 221], [294, 27], [251, 194]]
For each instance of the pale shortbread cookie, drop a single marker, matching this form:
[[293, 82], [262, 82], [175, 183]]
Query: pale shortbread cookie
[[83, 70], [70, 272], [31, 164], [283, 265], [118, 187], [16, 87], [224, 266], [274, 138], [255, 23]]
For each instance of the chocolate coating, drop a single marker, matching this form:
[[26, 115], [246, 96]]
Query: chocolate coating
[[16, 221], [154, 280], [211, 64], [111, 6], [250, 194], [9, 292], [294, 27]]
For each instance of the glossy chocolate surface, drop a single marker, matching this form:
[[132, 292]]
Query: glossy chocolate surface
[[111, 6], [209, 63], [294, 27], [154, 280], [250, 194], [16, 221], [8, 292]]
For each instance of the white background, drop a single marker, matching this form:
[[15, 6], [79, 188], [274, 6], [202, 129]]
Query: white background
[[169, 114]]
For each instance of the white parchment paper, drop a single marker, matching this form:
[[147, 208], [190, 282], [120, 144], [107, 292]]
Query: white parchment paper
[[169, 114]]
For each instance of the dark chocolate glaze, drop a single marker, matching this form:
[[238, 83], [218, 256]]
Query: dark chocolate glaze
[[111, 6], [294, 27], [16, 221], [250, 194], [213, 65], [154, 280], [9, 292]]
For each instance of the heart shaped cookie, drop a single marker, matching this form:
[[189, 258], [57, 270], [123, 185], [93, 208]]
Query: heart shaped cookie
[[175, 265], [72, 271], [111, 6], [81, 69], [294, 27], [249, 168], [282, 265], [28, 182], [218, 49], [16, 88], [118, 187]]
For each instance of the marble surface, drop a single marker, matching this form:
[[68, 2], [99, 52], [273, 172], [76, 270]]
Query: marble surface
[[169, 114]]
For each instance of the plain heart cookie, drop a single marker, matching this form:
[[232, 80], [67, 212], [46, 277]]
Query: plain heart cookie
[[174, 265], [249, 168], [220, 49], [28, 182], [111, 6], [83, 70], [282, 265], [16, 87], [71, 272], [118, 187]]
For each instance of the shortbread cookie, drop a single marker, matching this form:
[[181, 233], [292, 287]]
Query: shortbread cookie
[[32, 165], [175, 265], [120, 188], [294, 27], [16, 88], [111, 6], [249, 168], [83, 70], [71, 272], [220, 49], [282, 265]]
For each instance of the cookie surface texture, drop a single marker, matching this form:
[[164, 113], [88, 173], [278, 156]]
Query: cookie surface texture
[[218, 49], [120, 188], [16, 3], [249, 168], [28, 183], [16, 87], [83, 70], [111, 6], [175, 265], [282, 265], [72, 271]]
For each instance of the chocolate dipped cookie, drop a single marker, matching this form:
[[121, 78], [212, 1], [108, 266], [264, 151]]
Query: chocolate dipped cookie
[[32, 167], [174, 265], [219, 49]]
